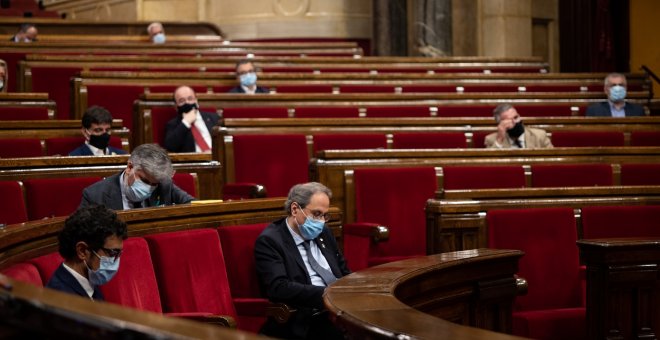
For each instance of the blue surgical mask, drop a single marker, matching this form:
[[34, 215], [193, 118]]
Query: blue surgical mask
[[159, 38], [108, 267], [311, 228], [248, 79], [617, 93], [139, 191]]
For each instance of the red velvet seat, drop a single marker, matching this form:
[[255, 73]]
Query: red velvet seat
[[367, 89], [24, 113], [429, 140], [171, 88], [275, 161], [238, 245], [46, 265], [398, 111], [620, 221], [62, 146], [304, 89], [552, 308], [55, 82], [327, 112], [483, 177], [20, 147], [395, 198], [645, 138], [587, 138], [466, 111], [479, 138], [134, 285], [187, 182], [190, 271], [350, 141], [255, 112], [12, 202], [640, 174], [118, 99], [159, 118], [51, 197], [24, 272], [571, 175]]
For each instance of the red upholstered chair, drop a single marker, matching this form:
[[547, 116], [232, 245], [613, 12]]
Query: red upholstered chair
[[24, 113], [552, 308], [20, 147], [483, 177], [134, 285], [391, 197], [55, 82], [255, 112], [327, 112], [304, 89], [645, 138], [479, 139], [587, 138], [118, 99], [191, 274], [367, 89], [571, 175], [46, 265], [159, 118], [548, 110], [350, 141], [621, 221], [187, 182], [275, 161], [398, 111], [12, 202], [429, 140], [428, 88], [238, 243], [640, 174], [466, 111], [24, 272], [49, 197], [62, 146]]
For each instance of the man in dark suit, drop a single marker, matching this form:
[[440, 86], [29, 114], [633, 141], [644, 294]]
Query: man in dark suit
[[616, 105], [296, 259], [26, 33], [146, 182], [96, 128], [246, 76], [91, 243], [191, 130]]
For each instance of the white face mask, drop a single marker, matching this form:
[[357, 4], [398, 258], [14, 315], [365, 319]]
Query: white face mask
[[139, 191], [159, 38], [2, 84]]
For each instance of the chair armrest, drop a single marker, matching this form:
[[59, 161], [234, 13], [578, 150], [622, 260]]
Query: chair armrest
[[212, 319], [280, 312], [243, 191], [377, 232]]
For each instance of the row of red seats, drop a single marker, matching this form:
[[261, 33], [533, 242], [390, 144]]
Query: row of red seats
[[35, 147]]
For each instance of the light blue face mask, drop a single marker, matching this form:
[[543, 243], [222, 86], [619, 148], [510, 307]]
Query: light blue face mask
[[159, 38], [617, 93], [311, 228], [139, 191], [248, 79], [108, 267]]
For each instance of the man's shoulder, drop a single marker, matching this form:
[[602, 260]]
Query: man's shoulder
[[82, 150], [536, 131]]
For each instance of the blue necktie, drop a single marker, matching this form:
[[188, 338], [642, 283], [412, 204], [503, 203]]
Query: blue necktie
[[327, 276]]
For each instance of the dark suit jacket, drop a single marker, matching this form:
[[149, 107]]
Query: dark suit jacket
[[284, 278], [84, 150], [108, 192], [63, 281], [239, 89], [602, 109], [179, 138]]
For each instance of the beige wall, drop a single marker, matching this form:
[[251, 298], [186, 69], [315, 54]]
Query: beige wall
[[506, 28], [644, 41]]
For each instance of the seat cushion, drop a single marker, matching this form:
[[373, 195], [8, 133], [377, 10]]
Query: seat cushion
[[566, 323]]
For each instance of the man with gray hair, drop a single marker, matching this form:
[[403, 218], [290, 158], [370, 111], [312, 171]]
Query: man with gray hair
[[156, 33], [297, 258], [616, 106], [511, 133], [146, 182]]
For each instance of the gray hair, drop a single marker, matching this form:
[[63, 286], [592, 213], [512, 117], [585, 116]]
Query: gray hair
[[153, 160], [614, 75], [497, 112], [154, 25], [302, 194]]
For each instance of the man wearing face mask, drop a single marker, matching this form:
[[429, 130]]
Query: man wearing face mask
[[146, 182], [190, 130], [156, 33], [296, 259], [96, 128], [91, 243], [512, 133], [246, 76], [4, 76], [616, 105], [26, 33]]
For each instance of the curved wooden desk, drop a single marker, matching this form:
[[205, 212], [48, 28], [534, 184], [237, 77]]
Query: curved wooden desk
[[431, 297]]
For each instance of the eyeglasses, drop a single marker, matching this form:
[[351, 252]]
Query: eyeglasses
[[114, 253]]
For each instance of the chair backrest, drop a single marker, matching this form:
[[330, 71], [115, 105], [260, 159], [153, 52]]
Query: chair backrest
[[396, 198], [24, 113], [134, 285], [190, 270], [645, 138], [429, 140], [398, 111], [46, 265], [159, 118], [276, 161], [20, 147], [571, 175], [327, 112], [255, 112], [621, 221], [551, 266], [483, 177], [12, 202], [640, 174], [187, 182], [62, 146], [587, 138], [118, 99], [350, 141], [24, 272], [48, 197]]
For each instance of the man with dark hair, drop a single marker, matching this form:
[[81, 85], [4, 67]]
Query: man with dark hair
[[91, 243], [246, 76], [146, 182], [512, 133], [26, 33], [297, 258], [96, 128], [190, 130]]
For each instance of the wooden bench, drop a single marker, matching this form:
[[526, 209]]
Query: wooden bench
[[46, 132]]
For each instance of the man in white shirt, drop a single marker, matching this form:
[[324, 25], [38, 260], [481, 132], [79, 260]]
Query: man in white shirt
[[512, 133], [191, 130]]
